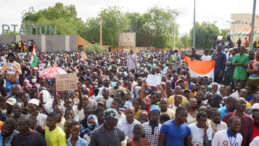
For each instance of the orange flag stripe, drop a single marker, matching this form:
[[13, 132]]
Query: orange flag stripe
[[200, 67]]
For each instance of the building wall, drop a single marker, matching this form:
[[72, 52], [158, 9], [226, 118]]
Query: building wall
[[244, 21], [46, 43]]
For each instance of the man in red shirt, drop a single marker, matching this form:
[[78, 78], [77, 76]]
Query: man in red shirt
[[247, 123], [255, 115]]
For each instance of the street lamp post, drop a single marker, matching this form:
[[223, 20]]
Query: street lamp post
[[252, 27], [193, 31], [118, 36], [176, 14]]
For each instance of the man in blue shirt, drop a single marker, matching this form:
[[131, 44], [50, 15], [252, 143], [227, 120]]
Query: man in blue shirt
[[219, 68], [176, 132], [229, 107]]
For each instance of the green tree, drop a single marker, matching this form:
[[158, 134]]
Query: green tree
[[113, 21], [159, 26], [64, 17], [205, 34], [223, 32]]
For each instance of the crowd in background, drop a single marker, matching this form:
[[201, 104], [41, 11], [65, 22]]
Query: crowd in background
[[114, 105]]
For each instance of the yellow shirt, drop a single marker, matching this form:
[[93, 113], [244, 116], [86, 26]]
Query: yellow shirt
[[171, 100], [170, 113], [248, 104], [137, 114], [192, 94], [56, 137]]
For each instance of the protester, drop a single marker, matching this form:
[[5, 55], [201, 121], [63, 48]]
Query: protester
[[224, 137], [75, 139], [201, 134], [108, 129], [247, 122], [112, 80], [127, 124], [176, 132], [54, 135], [26, 135]]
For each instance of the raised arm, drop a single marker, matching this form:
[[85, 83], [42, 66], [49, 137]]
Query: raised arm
[[79, 106], [141, 95]]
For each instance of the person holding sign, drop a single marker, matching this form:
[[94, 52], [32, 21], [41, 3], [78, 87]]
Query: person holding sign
[[11, 71]]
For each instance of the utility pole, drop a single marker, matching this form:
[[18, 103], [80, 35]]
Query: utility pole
[[176, 14], [101, 31], [118, 36], [193, 31], [252, 27]]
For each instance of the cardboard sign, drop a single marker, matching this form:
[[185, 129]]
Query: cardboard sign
[[66, 82], [153, 80]]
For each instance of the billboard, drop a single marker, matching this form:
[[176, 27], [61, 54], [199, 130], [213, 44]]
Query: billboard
[[127, 39]]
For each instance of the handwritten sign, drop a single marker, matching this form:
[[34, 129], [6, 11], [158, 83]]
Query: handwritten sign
[[11, 69], [153, 80], [66, 82]]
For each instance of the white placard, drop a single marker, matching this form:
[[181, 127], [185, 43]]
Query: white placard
[[153, 80], [11, 69], [41, 66]]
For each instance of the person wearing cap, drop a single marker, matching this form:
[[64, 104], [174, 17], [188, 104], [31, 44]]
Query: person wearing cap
[[219, 68], [10, 102], [108, 134], [176, 132], [33, 109], [11, 71], [152, 128]]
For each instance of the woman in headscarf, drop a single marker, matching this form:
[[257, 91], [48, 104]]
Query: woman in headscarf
[[92, 124]]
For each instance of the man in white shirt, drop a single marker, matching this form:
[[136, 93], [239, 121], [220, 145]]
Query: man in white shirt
[[231, 136], [33, 109], [255, 142], [215, 124], [206, 56], [201, 134], [127, 124]]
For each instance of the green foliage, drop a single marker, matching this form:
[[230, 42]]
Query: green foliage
[[114, 21], [223, 32], [92, 48], [205, 33], [64, 17]]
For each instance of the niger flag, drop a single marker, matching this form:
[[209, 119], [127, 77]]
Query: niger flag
[[200, 68]]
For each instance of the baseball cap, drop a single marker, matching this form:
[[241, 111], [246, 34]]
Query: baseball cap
[[11, 101], [154, 108], [255, 106], [34, 101]]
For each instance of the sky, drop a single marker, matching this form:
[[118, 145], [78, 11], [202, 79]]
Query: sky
[[206, 10]]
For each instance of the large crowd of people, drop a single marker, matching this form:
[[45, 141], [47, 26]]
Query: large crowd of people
[[114, 105]]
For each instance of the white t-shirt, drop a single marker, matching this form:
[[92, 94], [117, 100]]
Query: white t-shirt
[[205, 58], [221, 139], [255, 142], [197, 134]]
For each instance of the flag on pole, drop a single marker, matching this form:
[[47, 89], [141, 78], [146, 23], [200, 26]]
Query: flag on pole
[[34, 60], [200, 68]]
